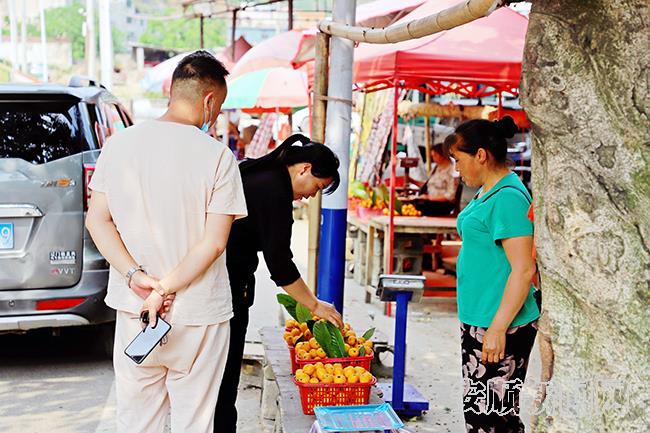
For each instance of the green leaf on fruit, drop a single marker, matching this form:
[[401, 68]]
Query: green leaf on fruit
[[302, 313], [330, 339], [288, 303], [368, 334]]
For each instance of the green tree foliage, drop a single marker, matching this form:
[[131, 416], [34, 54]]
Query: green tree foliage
[[65, 22], [184, 34]]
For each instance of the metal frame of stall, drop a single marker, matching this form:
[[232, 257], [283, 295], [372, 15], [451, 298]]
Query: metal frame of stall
[[432, 87]]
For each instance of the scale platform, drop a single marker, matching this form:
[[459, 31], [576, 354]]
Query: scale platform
[[366, 418], [414, 403], [402, 289]]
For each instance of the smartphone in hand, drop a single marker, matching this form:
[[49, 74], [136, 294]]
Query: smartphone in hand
[[146, 341]]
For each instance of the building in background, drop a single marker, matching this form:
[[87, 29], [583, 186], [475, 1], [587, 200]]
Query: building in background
[[125, 18], [59, 53], [29, 47]]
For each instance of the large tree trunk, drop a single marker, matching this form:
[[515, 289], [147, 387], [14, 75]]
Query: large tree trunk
[[585, 86]]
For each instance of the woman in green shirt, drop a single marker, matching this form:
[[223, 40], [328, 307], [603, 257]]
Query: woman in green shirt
[[496, 306]]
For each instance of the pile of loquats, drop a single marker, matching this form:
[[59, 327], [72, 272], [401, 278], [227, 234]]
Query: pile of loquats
[[295, 332], [332, 373], [307, 348], [410, 210]]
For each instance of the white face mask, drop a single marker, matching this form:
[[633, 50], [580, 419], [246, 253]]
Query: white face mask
[[205, 126]]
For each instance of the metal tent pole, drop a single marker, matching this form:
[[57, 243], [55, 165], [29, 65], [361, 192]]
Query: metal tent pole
[[331, 264], [392, 194]]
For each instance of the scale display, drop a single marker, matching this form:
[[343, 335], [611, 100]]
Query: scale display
[[402, 283], [391, 284]]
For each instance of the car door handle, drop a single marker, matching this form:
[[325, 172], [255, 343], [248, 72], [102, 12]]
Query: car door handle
[[19, 211]]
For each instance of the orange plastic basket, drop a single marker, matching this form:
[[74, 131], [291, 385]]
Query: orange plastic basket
[[359, 361], [333, 394]]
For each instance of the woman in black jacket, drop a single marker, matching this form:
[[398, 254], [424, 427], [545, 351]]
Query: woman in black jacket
[[271, 184]]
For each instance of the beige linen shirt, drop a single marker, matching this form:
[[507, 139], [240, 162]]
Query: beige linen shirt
[[160, 180]]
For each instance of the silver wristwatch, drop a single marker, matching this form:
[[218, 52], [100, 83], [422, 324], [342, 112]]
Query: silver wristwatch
[[129, 275]]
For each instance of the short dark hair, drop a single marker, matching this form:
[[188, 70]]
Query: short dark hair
[[200, 66], [475, 134]]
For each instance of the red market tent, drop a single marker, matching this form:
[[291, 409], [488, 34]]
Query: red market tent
[[294, 48], [479, 58], [486, 51]]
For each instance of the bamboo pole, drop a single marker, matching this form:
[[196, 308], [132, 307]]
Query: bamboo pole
[[319, 111], [462, 13], [409, 109], [427, 109]]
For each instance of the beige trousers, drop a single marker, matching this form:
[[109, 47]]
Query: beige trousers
[[184, 374]]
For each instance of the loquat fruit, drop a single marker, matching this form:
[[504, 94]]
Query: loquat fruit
[[366, 377]]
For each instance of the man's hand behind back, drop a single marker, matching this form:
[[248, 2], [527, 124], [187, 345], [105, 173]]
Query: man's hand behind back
[[143, 284]]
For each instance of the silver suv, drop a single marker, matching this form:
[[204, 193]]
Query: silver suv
[[51, 273]]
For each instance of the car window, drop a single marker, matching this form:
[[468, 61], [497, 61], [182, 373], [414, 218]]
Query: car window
[[97, 123], [39, 131]]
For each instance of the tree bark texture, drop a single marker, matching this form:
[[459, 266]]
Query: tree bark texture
[[585, 82]]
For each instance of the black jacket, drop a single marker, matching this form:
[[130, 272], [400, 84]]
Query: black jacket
[[267, 228]]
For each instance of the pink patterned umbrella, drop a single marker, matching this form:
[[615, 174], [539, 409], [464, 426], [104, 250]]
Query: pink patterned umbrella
[[268, 89], [285, 50]]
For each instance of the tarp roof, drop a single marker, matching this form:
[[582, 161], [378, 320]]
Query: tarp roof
[[487, 51]]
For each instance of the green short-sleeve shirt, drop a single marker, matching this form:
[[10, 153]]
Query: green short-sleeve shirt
[[483, 268]]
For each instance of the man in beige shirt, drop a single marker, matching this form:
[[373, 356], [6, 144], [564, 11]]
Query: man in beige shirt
[[164, 196]]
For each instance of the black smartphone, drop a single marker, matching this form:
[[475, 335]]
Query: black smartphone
[[146, 341]]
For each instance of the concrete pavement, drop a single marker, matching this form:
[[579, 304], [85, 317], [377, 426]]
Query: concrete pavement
[[50, 384]]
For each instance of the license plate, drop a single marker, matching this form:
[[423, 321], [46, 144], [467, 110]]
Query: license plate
[[6, 236]]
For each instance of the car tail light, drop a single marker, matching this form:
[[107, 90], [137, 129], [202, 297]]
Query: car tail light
[[58, 304], [89, 170]]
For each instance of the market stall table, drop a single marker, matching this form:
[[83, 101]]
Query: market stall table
[[289, 415], [427, 227]]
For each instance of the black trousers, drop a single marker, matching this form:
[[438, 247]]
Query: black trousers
[[491, 392], [225, 418]]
